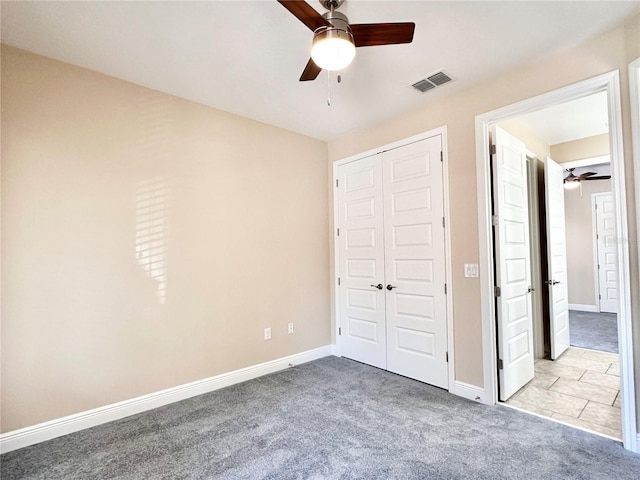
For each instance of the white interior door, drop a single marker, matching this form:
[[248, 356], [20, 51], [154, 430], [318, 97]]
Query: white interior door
[[415, 262], [513, 263], [607, 255], [361, 261], [556, 258]]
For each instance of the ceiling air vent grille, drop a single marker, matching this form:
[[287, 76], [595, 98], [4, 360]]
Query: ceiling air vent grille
[[431, 82], [423, 86], [439, 78]]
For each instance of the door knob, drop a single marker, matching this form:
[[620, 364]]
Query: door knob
[[378, 286], [530, 289], [391, 287]]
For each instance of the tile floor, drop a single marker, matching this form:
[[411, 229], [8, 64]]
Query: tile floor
[[581, 388]]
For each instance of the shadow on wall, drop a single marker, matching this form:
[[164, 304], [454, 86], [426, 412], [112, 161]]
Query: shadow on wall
[[151, 235]]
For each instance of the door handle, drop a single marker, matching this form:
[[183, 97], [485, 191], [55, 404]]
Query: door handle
[[530, 289], [552, 282], [391, 287], [378, 286]]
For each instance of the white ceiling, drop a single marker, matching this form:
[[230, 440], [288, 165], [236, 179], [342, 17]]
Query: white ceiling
[[246, 57], [569, 121]]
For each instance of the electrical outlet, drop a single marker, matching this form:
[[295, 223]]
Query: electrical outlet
[[471, 270], [290, 328], [267, 334]]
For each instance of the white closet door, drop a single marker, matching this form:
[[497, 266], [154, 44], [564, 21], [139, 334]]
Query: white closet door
[[361, 261], [556, 258], [513, 263], [607, 255], [414, 262]]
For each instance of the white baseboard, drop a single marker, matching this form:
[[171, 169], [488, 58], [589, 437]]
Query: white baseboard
[[583, 308], [335, 350], [636, 448], [471, 392], [62, 426]]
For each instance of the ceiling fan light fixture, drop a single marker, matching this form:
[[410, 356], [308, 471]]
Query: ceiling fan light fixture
[[571, 184], [332, 48]]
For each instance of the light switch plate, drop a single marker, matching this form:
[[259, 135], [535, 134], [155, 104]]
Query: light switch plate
[[471, 270]]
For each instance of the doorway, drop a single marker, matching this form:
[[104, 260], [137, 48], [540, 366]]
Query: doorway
[[608, 83], [574, 376]]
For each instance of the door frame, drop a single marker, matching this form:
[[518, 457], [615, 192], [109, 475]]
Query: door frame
[[585, 162], [610, 83], [634, 99], [447, 236], [534, 242]]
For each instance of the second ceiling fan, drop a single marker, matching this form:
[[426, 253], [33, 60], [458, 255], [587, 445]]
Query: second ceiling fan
[[335, 41], [571, 177]]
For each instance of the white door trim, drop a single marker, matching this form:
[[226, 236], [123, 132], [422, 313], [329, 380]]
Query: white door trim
[[447, 233], [634, 95], [609, 82], [586, 162]]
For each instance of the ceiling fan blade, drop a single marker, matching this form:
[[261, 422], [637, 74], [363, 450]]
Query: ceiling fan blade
[[305, 13], [587, 174], [311, 71], [372, 34], [599, 177]]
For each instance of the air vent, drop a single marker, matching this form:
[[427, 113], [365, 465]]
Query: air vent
[[423, 85], [432, 81], [439, 78]]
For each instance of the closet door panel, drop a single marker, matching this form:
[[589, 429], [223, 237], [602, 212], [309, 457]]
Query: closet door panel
[[361, 261], [414, 262]]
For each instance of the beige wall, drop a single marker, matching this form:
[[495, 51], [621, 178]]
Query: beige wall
[[580, 242], [603, 54], [533, 143], [583, 148], [242, 213]]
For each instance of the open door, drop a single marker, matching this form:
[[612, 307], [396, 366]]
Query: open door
[[607, 255], [556, 258], [513, 263]]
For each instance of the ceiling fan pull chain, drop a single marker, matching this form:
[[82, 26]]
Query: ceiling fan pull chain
[[328, 88]]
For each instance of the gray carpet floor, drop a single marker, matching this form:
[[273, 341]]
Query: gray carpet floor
[[595, 331], [328, 419]]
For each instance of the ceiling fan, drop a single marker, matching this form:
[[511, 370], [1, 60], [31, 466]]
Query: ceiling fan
[[571, 177], [335, 40]]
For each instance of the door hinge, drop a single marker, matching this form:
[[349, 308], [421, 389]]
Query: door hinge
[[338, 230], [599, 297], [492, 149], [494, 220], [445, 288], [500, 364], [446, 355], [337, 183], [338, 280], [442, 222], [598, 266], [497, 292], [339, 330], [441, 156]]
